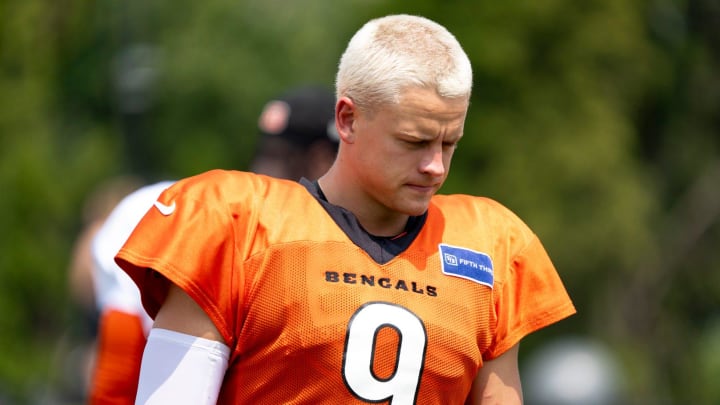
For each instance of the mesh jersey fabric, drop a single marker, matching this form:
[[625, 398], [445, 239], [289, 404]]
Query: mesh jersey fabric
[[311, 318]]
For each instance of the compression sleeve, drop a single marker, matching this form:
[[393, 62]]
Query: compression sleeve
[[181, 369]]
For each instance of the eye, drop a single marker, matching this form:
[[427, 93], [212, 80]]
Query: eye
[[415, 144], [449, 145]]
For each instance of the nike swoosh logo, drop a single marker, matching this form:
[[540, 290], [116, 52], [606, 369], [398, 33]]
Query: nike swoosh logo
[[165, 209]]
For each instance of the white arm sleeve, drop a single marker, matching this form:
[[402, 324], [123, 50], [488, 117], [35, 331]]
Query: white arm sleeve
[[181, 369]]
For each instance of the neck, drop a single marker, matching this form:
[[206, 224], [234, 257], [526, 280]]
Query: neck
[[374, 217]]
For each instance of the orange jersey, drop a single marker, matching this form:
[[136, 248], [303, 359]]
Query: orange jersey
[[121, 341], [312, 315]]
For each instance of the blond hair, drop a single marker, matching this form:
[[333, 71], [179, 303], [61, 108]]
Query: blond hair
[[389, 54]]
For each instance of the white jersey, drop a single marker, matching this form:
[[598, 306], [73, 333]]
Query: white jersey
[[113, 287]]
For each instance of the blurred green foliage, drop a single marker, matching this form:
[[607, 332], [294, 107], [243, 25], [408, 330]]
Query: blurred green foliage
[[598, 122]]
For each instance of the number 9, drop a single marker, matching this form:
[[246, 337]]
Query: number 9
[[402, 386]]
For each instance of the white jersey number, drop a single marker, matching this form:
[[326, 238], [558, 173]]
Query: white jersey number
[[402, 386]]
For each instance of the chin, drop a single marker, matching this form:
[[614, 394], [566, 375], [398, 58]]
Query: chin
[[414, 210]]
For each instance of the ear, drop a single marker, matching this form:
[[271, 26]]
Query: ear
[[346, 113]]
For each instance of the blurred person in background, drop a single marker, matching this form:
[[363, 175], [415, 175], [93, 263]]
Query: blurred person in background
[[297, 134], [363, 286], [97, 206], [79, 359], [124, 324], [297, 139]]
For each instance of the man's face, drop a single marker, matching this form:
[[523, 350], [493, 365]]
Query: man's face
[[402, 152]]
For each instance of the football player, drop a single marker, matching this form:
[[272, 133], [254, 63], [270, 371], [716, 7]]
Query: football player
[[364, 286]]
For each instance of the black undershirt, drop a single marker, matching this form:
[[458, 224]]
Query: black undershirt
[[382, 249]]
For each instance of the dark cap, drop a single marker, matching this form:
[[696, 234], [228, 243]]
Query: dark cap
[[301, 116]]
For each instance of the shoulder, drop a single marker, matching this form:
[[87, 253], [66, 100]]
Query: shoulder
[[210, 181], [233, 194], [228, 185], [463, 205], [480, 217]]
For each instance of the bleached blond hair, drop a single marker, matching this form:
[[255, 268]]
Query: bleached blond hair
[[392, 53]]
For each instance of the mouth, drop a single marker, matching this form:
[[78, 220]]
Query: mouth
[[424, 189]]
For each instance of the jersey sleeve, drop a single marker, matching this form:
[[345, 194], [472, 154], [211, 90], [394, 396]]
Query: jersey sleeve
[[187, 238], [529, 296]]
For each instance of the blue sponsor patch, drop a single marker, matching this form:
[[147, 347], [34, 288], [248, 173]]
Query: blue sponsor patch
[[466, 263]]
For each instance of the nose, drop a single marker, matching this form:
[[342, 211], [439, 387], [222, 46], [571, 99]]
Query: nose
[[433, 163]]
